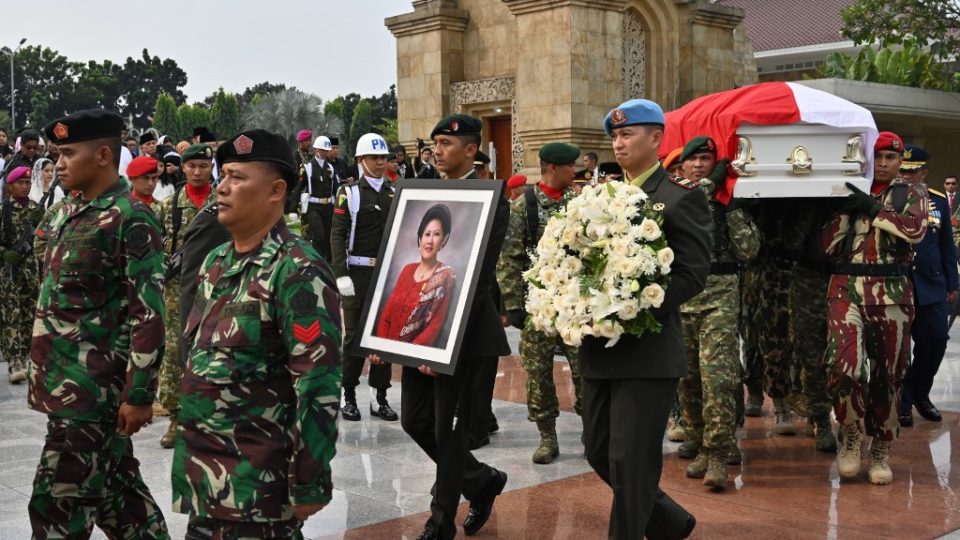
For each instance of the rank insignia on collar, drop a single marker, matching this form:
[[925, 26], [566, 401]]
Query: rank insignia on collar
[[61, 130], [618, 117], [243, 145]]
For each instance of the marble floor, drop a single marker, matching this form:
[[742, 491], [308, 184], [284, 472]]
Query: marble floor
[[784, 490]]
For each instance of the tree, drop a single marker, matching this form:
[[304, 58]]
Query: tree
[[225, 114], [142, 80], [288, 111], [361, 124], [390, 130], [43, 71], [165, 117], [191, 116], [932, 23], [907, 66], [261, 89]]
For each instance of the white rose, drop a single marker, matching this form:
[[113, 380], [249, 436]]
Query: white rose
[[572, 265], [569, 236], [665, 257], [653, 294], [548, 276], [649, 230], [630, 310]]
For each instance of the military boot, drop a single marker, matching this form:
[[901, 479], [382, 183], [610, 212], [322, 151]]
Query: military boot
[[18, 376], [170, 437], [878, 470], [851, 442], [754, 406], [675, 431], [823, 433], [383, 410], [716, 477], [782, 419], [549, 448], [688, 449], [735, 456], [350, 411], [698, 467]]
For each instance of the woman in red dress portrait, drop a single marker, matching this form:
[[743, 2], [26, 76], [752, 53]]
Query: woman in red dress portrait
[[417, 306]]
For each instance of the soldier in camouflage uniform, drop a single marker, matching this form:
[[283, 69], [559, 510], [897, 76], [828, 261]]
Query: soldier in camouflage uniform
[[143, 175], [176, 214], [97, 343], [262, 384], [752, 362], [708, 394], [871, 308], [557, 166], [18, 272], [314, 194]]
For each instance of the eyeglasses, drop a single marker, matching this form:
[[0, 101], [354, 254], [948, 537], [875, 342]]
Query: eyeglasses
[[949, 183]]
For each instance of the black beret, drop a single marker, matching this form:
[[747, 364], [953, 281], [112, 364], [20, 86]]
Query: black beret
[[208, 136], [458, 124], [259, 145], [85, 125], [334, 141], [559, 153], [481, 158], [147, 137], [698, 145]]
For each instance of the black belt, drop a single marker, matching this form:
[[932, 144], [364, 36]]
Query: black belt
[[874, 270], [722, 269]]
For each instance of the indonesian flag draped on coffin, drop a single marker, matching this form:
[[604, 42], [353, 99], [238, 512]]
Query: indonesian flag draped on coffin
[[721, 115]]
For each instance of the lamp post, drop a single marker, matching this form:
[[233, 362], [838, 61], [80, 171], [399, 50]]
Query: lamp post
[[13, 92]]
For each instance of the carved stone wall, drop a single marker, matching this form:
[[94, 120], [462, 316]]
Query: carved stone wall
[[634, 56], [491, 91]]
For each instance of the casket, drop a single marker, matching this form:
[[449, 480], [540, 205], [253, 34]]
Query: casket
[[783, 140]]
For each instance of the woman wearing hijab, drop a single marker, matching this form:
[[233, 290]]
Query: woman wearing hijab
[[170, 177], [417, 307], [41, 181]]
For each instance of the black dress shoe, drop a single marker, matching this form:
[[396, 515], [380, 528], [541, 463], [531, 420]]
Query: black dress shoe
[[928, 411], [429, 532], [476, 444], [350, 411], [481, 508], [905, 419], [384, 412], [493, 427], [691, 524]]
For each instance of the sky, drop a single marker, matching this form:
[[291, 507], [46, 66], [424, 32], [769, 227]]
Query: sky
[[325, 47]]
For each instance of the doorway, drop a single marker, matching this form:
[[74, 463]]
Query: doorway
[[501, 135]]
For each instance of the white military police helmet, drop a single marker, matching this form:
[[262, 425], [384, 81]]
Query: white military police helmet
[[372, 144], [322, 143]]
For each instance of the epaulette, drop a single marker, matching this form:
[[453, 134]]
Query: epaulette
[[935, 192], [685, 183]]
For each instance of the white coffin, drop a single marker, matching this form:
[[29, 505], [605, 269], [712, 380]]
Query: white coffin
[[800, 160]]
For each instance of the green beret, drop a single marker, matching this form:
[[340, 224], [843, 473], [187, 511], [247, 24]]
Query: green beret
[[698, 145], [85, 126], [559, 153], [458, 124], [197, 151]]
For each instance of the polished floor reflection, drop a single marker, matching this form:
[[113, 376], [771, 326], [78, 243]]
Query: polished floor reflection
[[784, 490]]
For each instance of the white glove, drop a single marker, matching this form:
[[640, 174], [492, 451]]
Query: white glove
[[345, 284]]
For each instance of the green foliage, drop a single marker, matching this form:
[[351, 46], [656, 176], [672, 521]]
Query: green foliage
[[894, 22], [361, 124], [288, 111], [165, 118], [189, 117], [390, 129], [907, 66], [225, 114]]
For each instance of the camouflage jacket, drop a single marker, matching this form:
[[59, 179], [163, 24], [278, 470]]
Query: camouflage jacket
[[735, 239], [188, 212], [98, 337], [882, 240], [261, 389], [514, 259], [15, 218]]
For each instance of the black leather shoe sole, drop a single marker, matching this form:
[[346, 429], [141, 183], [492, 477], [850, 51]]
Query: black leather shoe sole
[[480, 510]]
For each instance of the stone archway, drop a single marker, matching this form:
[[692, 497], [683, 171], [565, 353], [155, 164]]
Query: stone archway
[[479, 98]]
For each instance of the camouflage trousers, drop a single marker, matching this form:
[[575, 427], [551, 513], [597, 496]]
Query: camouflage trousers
[[171, 372], [536, 353], [215, 529], [88, 476], [315, 225], [708, 394], [18, 296], [772, 324], [868, 352], [752, 361], [808, 335]]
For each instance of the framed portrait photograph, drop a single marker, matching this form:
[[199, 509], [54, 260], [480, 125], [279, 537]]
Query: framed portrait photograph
[[424, 282]]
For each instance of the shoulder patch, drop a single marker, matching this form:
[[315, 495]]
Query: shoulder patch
[[304, 302], [138, 240], [685, 183]]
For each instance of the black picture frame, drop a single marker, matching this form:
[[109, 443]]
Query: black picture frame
[[472, 205]]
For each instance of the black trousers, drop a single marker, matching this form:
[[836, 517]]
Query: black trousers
[[352, 309], [624, 423], [482, 411], [930, 334], [428, 414]]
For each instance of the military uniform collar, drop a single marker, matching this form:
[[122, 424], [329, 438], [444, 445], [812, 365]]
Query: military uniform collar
[[268, 249], [105, 200], [650, 179]]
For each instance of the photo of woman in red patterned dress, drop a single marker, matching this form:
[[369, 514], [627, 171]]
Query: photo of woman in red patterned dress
[[417, 307]]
